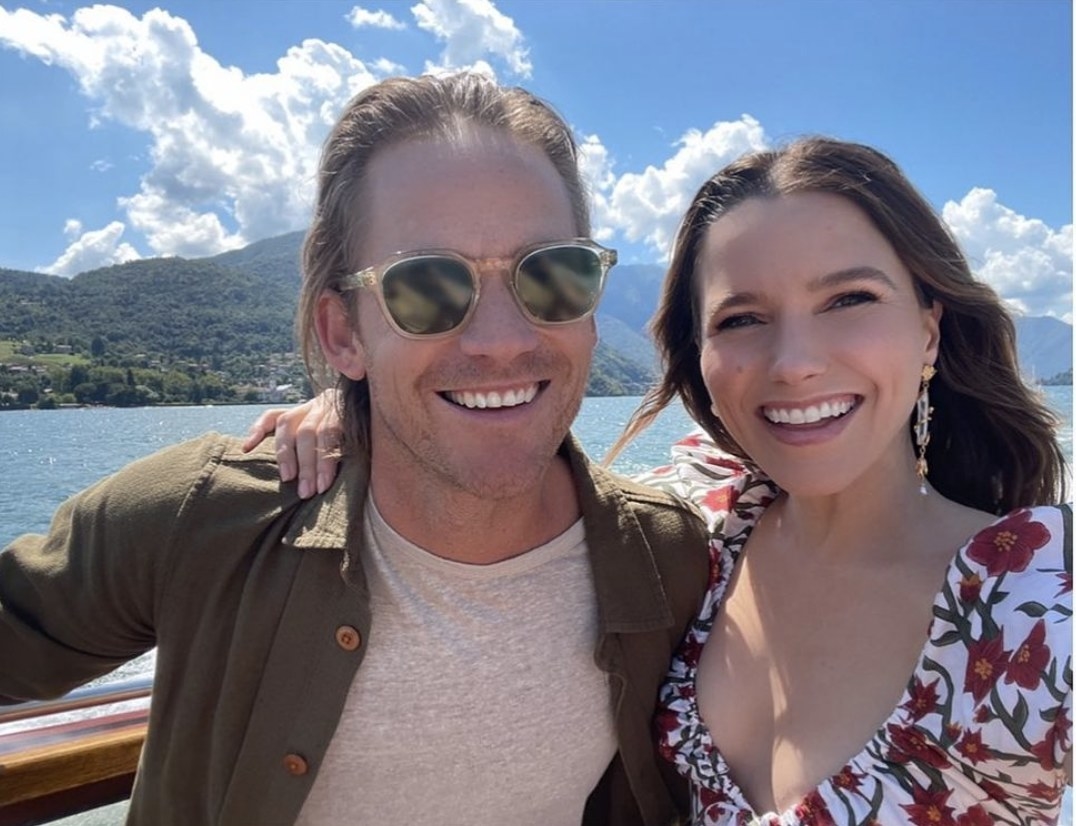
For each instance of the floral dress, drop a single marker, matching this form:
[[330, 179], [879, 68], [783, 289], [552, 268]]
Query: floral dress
[[983, 727]]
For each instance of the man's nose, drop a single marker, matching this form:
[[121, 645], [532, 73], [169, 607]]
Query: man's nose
[[498, 328]]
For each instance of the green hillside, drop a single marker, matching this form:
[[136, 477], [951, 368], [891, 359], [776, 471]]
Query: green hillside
[[171, 330]]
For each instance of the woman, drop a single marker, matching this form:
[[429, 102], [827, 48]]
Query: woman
[[822, 326], [868, 437]]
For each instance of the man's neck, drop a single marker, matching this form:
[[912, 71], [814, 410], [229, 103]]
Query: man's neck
[[478, 529]]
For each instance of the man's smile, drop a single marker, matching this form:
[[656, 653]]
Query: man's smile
[[482, 399]]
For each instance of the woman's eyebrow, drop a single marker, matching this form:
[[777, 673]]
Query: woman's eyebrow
[[839, 277]]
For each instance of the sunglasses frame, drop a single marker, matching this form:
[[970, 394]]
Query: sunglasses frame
[[509, 266]]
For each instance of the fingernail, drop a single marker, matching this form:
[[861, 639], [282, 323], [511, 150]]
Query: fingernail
[[325, 481], [305, 489]]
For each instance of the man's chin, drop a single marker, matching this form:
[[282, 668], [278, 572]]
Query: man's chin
[[504, 480]]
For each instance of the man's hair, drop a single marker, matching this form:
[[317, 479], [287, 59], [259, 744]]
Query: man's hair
[[391, 112], [993, 440]]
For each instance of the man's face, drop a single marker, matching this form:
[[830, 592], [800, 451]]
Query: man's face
[[484, 410]]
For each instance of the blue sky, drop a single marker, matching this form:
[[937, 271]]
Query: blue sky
[[187, 128]]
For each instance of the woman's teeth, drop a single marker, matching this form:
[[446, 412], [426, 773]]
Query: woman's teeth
[[807, 415]]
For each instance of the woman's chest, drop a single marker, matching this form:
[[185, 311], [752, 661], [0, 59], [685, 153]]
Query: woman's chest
[[801, 670]]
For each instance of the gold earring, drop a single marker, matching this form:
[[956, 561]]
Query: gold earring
[[923, 411]]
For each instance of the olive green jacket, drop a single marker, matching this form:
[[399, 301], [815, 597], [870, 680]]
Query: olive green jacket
[[258, 609]]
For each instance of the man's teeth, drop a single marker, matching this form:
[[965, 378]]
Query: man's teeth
[[807, 415], [510, 398]]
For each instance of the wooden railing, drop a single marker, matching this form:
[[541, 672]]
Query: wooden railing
[[68, 765]]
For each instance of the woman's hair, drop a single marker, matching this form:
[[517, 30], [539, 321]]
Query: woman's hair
[[391, 112], [993, 440]]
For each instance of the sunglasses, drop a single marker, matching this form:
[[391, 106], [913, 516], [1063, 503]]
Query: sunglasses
[[432, 293]]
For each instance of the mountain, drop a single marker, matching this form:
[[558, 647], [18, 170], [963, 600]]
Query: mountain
[[1045, 346], [172, 306], [274, 259]]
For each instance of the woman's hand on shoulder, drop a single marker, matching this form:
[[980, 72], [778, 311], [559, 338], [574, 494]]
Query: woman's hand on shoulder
[[307, 441]]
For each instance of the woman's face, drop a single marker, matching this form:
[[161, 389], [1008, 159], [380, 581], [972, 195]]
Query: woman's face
[[813, 340]]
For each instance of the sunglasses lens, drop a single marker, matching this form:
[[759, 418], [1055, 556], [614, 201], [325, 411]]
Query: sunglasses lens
[[560, 283], [428, 295]]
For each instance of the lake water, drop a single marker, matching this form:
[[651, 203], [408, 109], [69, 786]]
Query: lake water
[[47, 455]]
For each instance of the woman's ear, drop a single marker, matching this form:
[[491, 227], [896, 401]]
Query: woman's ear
[[932, 316], [337, 336]]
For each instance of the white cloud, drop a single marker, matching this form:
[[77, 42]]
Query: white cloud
[[596, 168], [471, 29], [232, 156], [1025, 260], [647, 206], [90, 250], [359, 17], [386, 67]]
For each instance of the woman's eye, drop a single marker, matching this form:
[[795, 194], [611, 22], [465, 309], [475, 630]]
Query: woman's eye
[[734, 322], [852, 299]]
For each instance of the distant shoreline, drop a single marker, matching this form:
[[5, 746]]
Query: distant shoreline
[[274, 404]]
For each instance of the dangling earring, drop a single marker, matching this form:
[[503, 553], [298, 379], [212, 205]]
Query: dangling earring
[[923, 410]]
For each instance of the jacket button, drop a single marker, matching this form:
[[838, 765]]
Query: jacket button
[[295, 765], [348, 638]]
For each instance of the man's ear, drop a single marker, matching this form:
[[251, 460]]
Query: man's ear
[[337, 336]]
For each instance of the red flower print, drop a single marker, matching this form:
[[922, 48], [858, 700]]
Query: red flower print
[[690, 651], [1029, 659], [952, 730], [986, 663], [975, 816], [971, 746], [725, 462], [923, 699], [910, 744], [993, 790], [1051, 794], [847, 779], [710, 797], [1010, 544], [1066, 583], [983, 714], [1056, 736], [970, 586], [814, 812], [718, 499], [929, 808]]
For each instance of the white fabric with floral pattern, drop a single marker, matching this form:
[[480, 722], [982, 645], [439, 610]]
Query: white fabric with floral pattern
[[983, 727]]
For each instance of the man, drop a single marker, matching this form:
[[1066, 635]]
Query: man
[[470, 626]]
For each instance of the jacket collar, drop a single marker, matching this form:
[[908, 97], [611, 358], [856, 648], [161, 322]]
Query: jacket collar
[[324, 521], [627, 583]]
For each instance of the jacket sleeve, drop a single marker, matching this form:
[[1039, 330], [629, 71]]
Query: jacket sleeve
[[83, 599]]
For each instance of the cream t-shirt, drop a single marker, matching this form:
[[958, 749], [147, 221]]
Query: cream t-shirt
[[478, 702]]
